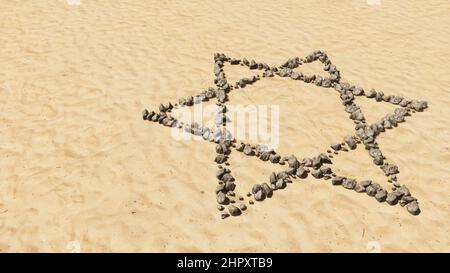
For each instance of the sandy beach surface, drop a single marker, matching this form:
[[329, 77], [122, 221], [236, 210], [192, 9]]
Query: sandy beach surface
[[81, 171]]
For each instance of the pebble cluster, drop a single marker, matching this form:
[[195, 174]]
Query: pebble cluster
[[229, 203]]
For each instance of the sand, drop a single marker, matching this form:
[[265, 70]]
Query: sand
[[81, 171]]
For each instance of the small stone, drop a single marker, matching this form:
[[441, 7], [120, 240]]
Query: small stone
[[242, 207], [359, 188], [336, 146], [392, 198], [220, 159], [267, 189], [381, 195], [413, 208], [240, 147], [366, 183], [274, 158], [280, 184], [317, 173], [350, 141], [324, 159], [338, 180], [418, 105], [371, 191], [256, 188], [220, 207], [225, 215], [234, 211], [301, 172], [145, 114], [221, 198], [249, 194], [259, 196], [349, 183], [248, 150], [389, 169]]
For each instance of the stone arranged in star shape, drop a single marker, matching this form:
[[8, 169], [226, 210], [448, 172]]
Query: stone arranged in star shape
[[319, 166]]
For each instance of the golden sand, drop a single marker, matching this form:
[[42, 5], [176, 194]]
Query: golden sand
[[81, 171]]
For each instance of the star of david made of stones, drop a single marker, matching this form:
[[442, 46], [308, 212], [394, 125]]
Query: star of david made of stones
[[229, 203]]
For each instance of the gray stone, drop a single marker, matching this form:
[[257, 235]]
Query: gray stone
[[248, 150], [317, 173], [389, 169], [221, 198], [274, 158], [293, 162], [392, 198], [413, 208], [324, 159], [230, 186], [225, 215], [371, 191], [336, 146], [256, 188], [349, 183], [301, 172], [233, 210], [381, 195], [280, 184], [260, 195], [337, 180], [240, 147], [220, 159], [267, 189], [273, 178], [418, 105], [350, 141], [242, 207], [358, 188]]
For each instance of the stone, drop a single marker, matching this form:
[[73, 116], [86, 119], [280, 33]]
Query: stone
[[225, 215], [392, 198], [371, 191], [267, 190], [293, 162], [324, 159], [230, 186], [145, 114], [256, 188], [301, 172], [381, 195], [418, 105], [251, 202], [240, 147], [403, 190], [221, 198], [371, 94], [220, 159], [413, 208], [220, 207], [336, 146], [260, 195], [389, 169], [350, 141], [280, 184], [242, 207], [317, 173], [233, 210], [337, 180], [325, 170], [248, 150], [273, 178], [220, 188], [349, 183], [274, 158], [359, 188]]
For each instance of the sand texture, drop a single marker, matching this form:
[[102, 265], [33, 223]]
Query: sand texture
[[81, 171]]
